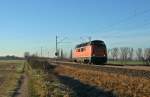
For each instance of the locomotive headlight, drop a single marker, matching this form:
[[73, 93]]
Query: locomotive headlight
[[104, 55]]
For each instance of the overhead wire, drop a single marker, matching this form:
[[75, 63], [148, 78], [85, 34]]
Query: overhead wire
[[126, 19]]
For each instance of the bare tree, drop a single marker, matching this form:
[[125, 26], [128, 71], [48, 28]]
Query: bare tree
[[139, 54], [65, 55], [147, 56], [71, 54], [124, 54], [61, 54], [131, 50], [114, 53], [58, 53], [108, 54]]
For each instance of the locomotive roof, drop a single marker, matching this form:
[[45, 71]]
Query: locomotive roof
[[90, 43]]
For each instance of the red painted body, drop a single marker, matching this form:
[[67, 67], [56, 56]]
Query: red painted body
[[87, 52]]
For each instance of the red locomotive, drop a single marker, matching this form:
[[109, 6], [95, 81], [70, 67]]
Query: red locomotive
[[94, 52]]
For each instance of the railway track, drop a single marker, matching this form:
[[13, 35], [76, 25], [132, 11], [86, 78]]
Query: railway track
[[124, 70]]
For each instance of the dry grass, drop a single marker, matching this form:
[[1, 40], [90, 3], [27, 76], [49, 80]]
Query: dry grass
[[43, 83], [9, 75], [120, 85]]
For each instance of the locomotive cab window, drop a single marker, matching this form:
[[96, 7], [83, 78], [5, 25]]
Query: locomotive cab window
[[78, 50], [82, 49]]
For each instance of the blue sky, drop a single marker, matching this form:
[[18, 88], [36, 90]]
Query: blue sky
[[28, 25]]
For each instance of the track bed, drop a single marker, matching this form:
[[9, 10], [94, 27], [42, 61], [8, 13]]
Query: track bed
[[134, 71]]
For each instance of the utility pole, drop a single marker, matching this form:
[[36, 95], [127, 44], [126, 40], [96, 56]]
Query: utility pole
[[56, 53], [58, 42], [48, 54], [41, 52]]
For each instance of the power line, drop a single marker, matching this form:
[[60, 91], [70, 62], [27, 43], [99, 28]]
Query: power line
[[58, 43], [129, 34], [127, 19], [62, 40]]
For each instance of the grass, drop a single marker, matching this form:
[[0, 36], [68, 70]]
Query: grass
[[44, 83], [10, 73], [11, 61], [119, 85], [126, 62]]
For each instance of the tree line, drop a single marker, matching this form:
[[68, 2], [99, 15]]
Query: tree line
[[125, 54], [122, 54], [61, 54], [11, 57]]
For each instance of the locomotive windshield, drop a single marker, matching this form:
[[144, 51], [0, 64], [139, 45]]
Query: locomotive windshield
[[98, 43]]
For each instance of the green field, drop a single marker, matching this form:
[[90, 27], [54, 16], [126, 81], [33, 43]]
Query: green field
[[10, 72], [126, 62]]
